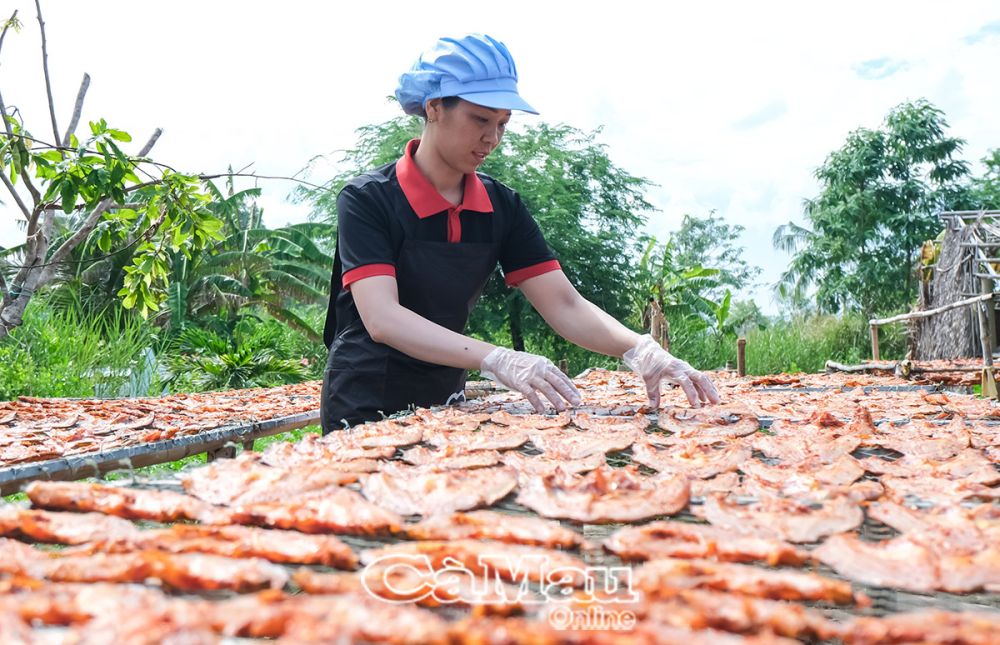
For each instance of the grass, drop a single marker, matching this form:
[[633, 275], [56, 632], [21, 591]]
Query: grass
[[800, 344], [171, 468], [61, 353]]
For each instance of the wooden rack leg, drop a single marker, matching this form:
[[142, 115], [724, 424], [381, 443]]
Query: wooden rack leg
[[227, 451], [988, 380], [989, 383]]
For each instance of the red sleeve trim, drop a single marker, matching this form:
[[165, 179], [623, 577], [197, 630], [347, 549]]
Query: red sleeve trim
[[515, 278], [367, 271]]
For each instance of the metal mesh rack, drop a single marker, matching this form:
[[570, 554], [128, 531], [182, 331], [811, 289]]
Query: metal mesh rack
[[884, 601], [868, 389], [148, 454]]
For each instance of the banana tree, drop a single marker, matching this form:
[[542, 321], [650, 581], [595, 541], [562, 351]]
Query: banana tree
[[251, 266], [680, 292]]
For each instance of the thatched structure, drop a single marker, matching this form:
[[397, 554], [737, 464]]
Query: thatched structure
[[963, 269]]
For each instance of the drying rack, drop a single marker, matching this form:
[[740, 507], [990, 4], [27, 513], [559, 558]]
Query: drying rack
[[96, 464], [885, 601]]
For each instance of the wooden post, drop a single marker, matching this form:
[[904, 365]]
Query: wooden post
[[564, 366], [874, 329], [988, 379], [227, 451], [741, 356], [986, 286], [659, 328]]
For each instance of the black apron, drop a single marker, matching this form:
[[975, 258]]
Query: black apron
[[365, 380]]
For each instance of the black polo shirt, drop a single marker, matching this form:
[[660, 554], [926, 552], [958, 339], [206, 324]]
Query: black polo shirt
[[379, 210]]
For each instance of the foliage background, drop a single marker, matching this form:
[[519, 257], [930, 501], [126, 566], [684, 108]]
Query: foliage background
[[244, 307]]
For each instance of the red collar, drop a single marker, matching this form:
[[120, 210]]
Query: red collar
[[426, 200]]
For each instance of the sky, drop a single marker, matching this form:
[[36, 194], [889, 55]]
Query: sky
[[726, 106]]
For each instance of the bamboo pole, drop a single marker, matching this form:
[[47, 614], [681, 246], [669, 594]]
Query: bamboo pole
[[833, 366], [741, 356], [930, 312], [874, 330], [986, 285]]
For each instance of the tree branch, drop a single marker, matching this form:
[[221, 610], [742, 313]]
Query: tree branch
[[17, 197], [45, 69], [6, 26], [152, 142], [56, 206], [145, 150], [35, 195], [35, 247], [33, 243], [74, 240], [256, 176], [12, 311], [77, 109]]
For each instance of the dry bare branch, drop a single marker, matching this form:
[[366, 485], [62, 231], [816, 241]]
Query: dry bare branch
[[45, 69], [17, 198], [6, 26], [77, 109], [152, 142]]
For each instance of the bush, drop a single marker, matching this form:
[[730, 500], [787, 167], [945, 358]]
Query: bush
[[702, 346], [798, 344], [67, 354], [805, 343], [254, 352]]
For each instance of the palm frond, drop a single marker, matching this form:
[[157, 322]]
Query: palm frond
[[292, 319], [790, 237]]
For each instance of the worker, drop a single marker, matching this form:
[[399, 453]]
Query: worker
[[417, 240]]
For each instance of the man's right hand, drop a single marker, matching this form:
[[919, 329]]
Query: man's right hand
[[530, 374]]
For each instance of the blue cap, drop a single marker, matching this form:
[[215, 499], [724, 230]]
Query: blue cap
[[476, 68]]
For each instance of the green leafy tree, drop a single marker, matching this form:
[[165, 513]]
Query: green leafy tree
[[588, 208], [985, 190], [712, 242], [693, 299], [279, 270], [745, 316], [880, 192], [94, 184]]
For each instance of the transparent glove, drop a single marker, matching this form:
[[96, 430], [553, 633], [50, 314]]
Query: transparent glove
[[530, 374], [656, 364]]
